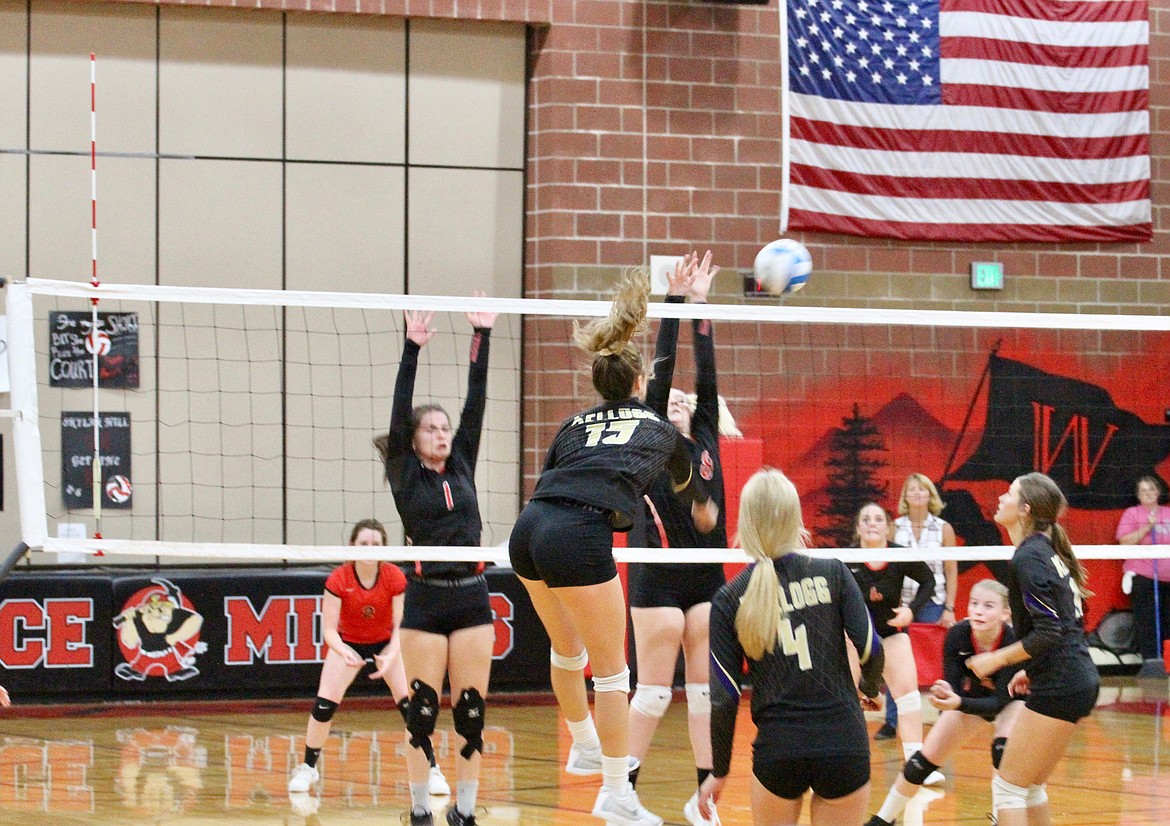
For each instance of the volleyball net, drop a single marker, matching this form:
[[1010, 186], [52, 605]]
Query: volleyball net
[[238, 424]]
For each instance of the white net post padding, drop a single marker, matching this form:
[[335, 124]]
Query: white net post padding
[[22, 372]]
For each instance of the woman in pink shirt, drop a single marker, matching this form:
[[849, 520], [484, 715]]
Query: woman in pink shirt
[[1148, 523]]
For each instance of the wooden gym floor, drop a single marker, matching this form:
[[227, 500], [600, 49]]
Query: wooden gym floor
[[213, 763]]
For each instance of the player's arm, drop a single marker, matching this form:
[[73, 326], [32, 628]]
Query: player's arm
[[665, 351], [727, 660], [953, 667], [466, 440], [402, 410], [706, 384], [391, 654], [858, 624], [920, 572], [330, 617]]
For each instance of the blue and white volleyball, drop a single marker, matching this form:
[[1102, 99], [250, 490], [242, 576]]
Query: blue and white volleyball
[[783, 266]]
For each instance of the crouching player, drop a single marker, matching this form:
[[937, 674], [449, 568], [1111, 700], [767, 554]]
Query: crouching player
[[963, 699]]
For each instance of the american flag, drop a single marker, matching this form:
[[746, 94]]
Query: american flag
[[970, 120]]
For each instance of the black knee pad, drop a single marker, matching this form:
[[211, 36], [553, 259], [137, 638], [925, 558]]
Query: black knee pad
[[917, 769], [323, 710], [997, 747], [404, 709], [468, 714], [423, 712]]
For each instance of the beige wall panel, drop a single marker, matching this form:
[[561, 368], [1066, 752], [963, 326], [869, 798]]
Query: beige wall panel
[[466, 231], [346, 88], [220, 83], [339, 389], [60, 237], [220, 224], [466, 235], [13, 74], [345, 228], [123, 39], [12, 215], [467, 94]]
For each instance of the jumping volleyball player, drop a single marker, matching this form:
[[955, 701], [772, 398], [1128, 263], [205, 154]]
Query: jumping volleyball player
[[789, 614], [962, 698], [670, 604], [447, 623], [1046, 590], [600, 465]]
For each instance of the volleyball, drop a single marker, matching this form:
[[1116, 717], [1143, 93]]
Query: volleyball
[[783, 266], [118, 489]]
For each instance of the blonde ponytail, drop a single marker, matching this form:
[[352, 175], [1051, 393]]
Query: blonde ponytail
[[770, 526]]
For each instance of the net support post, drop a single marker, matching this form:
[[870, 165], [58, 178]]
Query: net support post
[[14, 557], [26, 434]]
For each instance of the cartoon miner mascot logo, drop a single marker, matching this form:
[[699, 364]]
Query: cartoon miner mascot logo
[[158, 632]]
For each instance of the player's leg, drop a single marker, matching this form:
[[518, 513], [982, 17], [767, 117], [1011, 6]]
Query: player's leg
[[697, 663], [335, 679], [658, 634], [470, 666], [1037, 744], [901, 675], [949, 732], [400, 690], [769, 808], [424, 655]]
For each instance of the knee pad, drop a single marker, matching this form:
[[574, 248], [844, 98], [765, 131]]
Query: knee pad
[[564, 663], [1005, 795], [424, 710], [909, 703], [616, 682], [997, 747], [323, 710], [1037, 795], [651, 700], [918, 768], [698, 698], [468, 714]]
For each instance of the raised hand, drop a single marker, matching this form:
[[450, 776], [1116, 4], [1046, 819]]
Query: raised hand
[[701, 282], [418, 326], [679, 281], [481, 320]]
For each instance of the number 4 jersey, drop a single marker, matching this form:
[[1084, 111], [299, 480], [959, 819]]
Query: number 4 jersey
[[803, 701], [608, 456]]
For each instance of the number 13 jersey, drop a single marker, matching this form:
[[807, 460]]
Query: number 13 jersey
[[608, 456]]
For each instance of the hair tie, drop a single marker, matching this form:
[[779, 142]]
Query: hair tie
[[615, 350]]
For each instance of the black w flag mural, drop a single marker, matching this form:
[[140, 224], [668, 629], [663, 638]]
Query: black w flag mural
[[1068, 429]]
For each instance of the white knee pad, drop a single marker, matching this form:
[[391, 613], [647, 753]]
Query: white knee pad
[[1005, 795], [1037, 795], [651, 700], [564, 663], [698, 698], [909, 703], [616, 682]]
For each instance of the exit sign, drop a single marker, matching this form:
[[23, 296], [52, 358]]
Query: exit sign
[[986, 275]]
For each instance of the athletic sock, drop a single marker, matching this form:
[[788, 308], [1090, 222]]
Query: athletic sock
[[420, 798], [584, 733], [702, 774], [615, 774], [311, 756], [895, 804], [465, 791]]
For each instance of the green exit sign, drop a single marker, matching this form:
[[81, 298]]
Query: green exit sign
[[986, 275]]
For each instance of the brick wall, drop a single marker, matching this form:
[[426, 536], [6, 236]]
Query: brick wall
[[654, 127]]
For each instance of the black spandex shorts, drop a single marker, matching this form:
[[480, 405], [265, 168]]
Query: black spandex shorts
[[829, 777], [563, 544], [367, 650], [436, 608], [666, 585], [1069, 706]]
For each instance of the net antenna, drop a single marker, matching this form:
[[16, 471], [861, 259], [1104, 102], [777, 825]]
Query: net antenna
[[95, 340]]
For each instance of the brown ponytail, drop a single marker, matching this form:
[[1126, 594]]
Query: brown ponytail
[[1045, 504], [617, 363]]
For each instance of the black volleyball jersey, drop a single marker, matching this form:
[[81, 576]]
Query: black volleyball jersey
[[802, 690], [674, 513], [608, 456], [882, 589], [976, 698], [1049, 619], [439, 508]]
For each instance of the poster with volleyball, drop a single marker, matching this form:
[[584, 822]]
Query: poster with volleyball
[[77, 458]]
